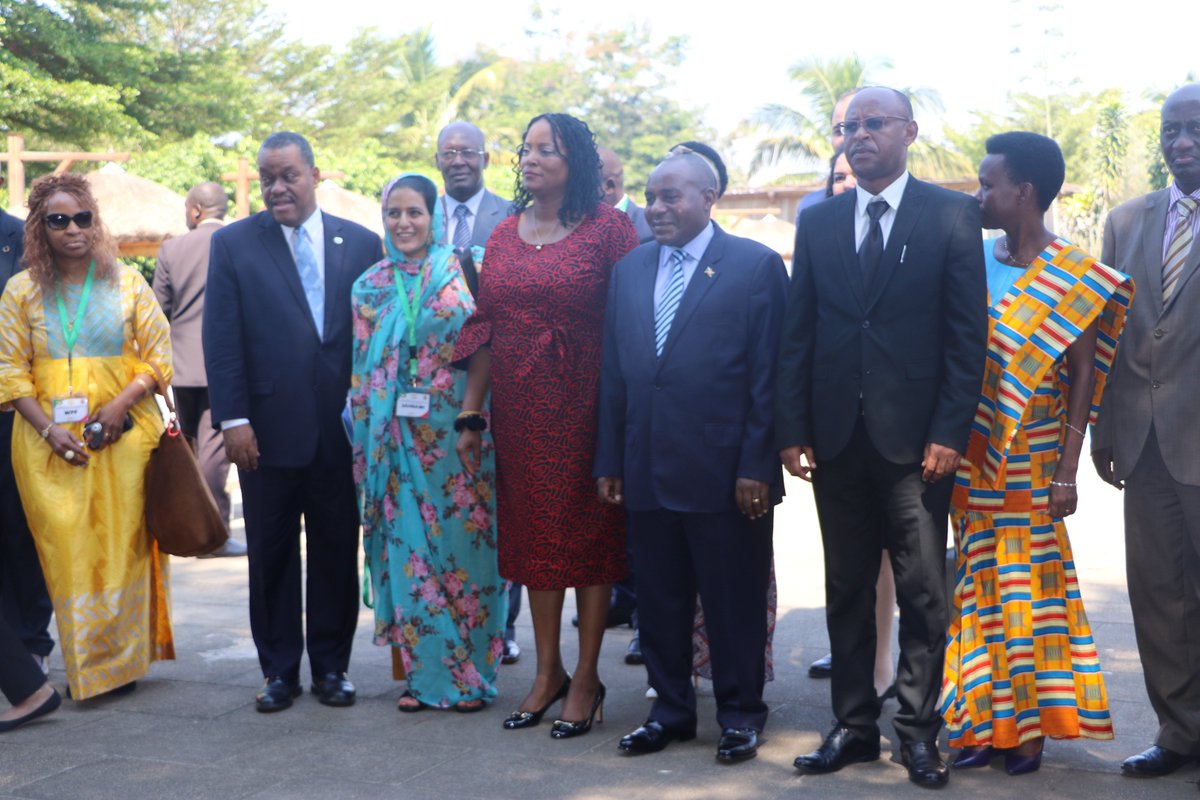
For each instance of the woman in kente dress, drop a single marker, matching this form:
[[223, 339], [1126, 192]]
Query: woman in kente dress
[[1021, 663], [428, 530], [80, 338], [535, 340]]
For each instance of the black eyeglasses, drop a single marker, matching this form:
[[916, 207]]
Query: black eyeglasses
[[468, 155], [873, 124], [60, 222]]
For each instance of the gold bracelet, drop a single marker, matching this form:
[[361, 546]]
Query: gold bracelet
[[468, 414], [141, 383], [1072, 427], [45, 432]]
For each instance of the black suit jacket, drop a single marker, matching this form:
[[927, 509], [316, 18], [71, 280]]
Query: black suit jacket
[[912, 346], [12, 247], [264, 359], [680, 429]]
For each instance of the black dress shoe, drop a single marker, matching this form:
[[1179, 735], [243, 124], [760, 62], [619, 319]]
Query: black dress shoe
[[276, 695], [821, 668], [650, 738], [737, 744], [1154, 763], [925, 765], [841, 747], [334, 689], [633, 655], [49, 704]]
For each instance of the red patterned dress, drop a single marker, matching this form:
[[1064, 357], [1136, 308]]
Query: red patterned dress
[[542, 313]]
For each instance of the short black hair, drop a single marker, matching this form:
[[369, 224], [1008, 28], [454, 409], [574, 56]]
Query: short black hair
[[1031, 158], [583, 168], [282, 139], [419, 184], [832, 168], [700, 148]]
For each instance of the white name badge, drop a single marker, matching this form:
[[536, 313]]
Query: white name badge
[[69, 409], [413, 404]]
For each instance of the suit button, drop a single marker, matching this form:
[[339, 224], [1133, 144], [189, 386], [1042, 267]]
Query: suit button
[[866, 323], [1155, 385], [1158, 333]]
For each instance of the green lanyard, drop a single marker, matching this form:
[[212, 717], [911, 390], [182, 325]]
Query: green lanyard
[[411, 305], [70, 330]]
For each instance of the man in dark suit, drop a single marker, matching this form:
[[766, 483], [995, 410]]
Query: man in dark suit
[[277, 342], [461, 158], [686, 443], [26, 604], [879, 376], [612, 183], [1146, 439], [471, 213], [179, 278]]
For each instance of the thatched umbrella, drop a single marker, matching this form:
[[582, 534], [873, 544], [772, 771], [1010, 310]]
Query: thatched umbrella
[[350, 205], [775, 233], [138, 212]]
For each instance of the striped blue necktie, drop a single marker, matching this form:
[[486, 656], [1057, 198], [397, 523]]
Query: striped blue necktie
[[310, 278], [669, 304]]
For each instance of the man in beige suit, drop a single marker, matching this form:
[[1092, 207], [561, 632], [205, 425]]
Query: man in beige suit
[[179, 280], [1147, 440]]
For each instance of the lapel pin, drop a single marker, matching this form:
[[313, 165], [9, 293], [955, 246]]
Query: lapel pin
[[7, 248], [337, 240], [708, 271]]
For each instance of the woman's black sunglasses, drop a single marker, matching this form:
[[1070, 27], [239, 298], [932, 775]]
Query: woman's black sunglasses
[[59, 222]]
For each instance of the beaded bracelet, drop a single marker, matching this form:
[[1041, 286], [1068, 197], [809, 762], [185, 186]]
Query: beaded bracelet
[[1072, 427], [1063, 484]]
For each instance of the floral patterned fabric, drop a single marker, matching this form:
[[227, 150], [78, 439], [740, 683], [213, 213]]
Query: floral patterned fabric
[[428, 526]]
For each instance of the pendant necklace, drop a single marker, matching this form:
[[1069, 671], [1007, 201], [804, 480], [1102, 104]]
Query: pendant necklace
[[1008, 256]]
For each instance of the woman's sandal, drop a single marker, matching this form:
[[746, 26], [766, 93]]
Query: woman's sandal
[[470, 706], [409, 709]]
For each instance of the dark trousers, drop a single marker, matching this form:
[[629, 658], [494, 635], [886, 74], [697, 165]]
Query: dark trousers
[[24, 601], [726, 558], [274, 500], [1162, 563], [195, 420], [514, 608], [19, 676], [865, 503]]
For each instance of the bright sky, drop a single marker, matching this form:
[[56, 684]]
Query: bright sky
[[739, 52]]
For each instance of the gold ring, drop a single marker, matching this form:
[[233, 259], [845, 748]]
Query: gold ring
[[69, 455]]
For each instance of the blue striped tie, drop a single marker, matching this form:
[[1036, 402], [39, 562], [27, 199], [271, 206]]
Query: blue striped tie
[[669, 303]]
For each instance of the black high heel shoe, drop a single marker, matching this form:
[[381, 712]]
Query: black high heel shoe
[[1016, 764], [564, 729], [527, 719]]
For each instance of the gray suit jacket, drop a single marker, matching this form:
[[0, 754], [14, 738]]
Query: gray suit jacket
[[1156, 376], [492, 209], [179, 280], [637, 215]]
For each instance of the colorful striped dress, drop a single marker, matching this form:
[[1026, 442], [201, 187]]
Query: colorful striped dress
[[1020, 659]]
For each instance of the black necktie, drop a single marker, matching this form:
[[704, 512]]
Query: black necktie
[[871, 251]]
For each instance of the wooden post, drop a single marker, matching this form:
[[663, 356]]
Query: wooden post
[[242, 179], [16, 171]]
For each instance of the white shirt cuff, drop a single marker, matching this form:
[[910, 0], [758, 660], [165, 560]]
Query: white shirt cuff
[[226, 424]]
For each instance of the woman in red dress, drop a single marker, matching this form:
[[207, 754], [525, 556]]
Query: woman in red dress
[[535, 339]]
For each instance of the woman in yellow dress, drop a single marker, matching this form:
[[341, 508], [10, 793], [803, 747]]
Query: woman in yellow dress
[[80, 337]]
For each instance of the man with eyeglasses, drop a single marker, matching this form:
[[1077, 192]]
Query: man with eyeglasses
[[873, 405], [471, 212], [24, 602], [1146, 440]]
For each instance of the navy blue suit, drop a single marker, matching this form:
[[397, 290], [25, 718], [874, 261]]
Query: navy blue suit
[[23, 598], [266, 363], [680, 429]]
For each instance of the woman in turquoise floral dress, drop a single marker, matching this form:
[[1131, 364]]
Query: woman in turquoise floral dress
[[428, 527]]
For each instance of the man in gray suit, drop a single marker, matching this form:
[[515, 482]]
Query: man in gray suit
[[471, 213], [179, 280], [461, 158], [612, 182], [1146, 438], [24, 602]]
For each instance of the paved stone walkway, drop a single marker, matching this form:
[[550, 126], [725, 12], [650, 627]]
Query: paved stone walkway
[[190, 731]]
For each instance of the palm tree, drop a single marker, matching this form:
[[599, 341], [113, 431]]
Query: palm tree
[[803, 132]]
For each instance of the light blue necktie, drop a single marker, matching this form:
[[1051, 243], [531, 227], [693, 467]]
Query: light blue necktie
[[462, 228], [310, 278], [669, 303]]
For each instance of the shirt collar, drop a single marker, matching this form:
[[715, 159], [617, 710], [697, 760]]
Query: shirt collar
[[892, 194], [623, 203], [696, 247], [313, 226], [472, 203], [1177, 195]]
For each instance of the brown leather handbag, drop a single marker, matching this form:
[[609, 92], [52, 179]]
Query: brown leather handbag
[[181, 513]]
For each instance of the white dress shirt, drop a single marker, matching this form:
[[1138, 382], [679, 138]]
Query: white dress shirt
[[862, 220], [694, 250], [449, 204]]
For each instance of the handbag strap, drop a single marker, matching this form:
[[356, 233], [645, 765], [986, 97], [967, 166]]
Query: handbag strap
[[164, 390]]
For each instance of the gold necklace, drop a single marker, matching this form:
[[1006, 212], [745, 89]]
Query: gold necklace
[[536, 233], [1008, 256]]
